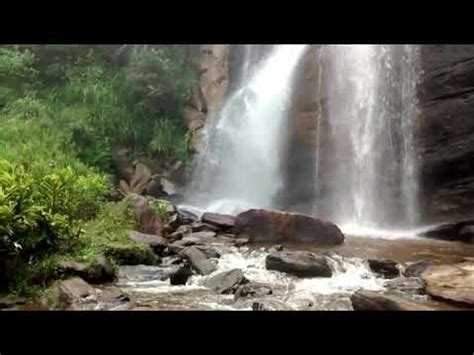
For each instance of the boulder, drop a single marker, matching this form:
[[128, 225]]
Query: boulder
[[298, 263], [451, 283], [100, 270], [66, 292], [143, 273], [384, 267], [154, 188], [220, 220], [416, 269], [181, 275], [168, 186], [200, 226], [406, 285], [252, 290], [462, 231], [226, 282], [198, 261], [374, 301], [277, 227], [131, 255], [148, 220], [76, 294], [210, 252], [140, 179], [122, 165], [154, 241], [186, 216], [9, 302]]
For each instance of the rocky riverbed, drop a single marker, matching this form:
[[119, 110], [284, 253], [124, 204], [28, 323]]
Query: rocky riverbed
[[217, 262]]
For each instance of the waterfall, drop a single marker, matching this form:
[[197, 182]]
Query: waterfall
[[367, 168], [240, 165]]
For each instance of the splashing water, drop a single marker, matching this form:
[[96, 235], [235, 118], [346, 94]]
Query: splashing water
[[369, 175]]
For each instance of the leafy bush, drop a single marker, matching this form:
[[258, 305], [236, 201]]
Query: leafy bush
[[37, 212]]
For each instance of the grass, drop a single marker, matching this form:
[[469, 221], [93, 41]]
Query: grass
[[109, 228]]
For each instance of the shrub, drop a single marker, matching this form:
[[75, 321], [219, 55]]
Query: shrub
[[38, 211]]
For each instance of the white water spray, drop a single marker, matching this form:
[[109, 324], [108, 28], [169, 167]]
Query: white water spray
[[240, 165]]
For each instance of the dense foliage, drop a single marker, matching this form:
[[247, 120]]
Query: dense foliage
[[63, 112]]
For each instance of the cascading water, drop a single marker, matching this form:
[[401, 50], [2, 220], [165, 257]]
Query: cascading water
[[367, 176], [240, 165]]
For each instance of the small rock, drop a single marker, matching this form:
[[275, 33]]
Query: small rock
[[200, 226], [301, 264], [210, 252], [252, 290], [406, 285], [143, 273], [198, 261], [181, 275], [220, 220], [238, 242], [203, 235], [384, 267], [186, 216], [171, 260], [226, 282], [417, 268]]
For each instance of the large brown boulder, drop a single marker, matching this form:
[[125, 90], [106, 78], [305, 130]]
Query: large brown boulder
[[374, 301], [275, 226], [148, 220], [452, 283], [299, 263]]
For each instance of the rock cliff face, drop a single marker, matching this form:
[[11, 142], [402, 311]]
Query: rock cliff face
[[446, 134], [212, 64]]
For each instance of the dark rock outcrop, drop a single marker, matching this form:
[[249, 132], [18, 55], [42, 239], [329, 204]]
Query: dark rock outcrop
[[275, 226], [301, 264], [462, 231], [181, 275], [383, 267], [446, 131]]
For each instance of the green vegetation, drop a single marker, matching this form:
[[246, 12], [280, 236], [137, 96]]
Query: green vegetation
[[63, 111]]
